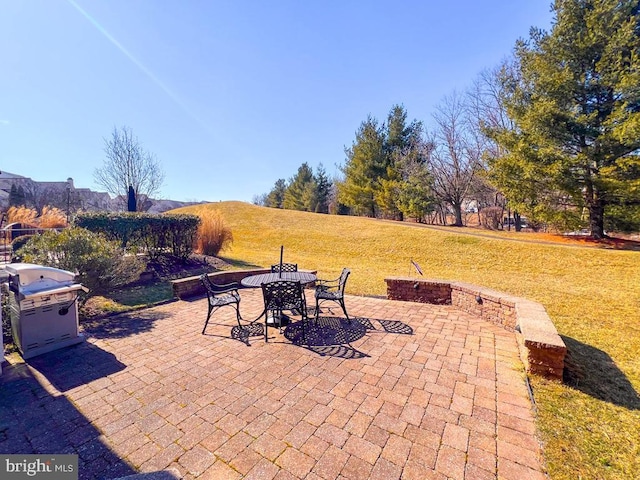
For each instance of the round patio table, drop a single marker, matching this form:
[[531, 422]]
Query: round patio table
[[257, 280], [254, 281]]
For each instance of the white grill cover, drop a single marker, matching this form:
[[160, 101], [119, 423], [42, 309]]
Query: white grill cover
[[38, 277]]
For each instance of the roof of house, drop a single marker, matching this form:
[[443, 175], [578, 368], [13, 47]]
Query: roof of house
[[7, 175]]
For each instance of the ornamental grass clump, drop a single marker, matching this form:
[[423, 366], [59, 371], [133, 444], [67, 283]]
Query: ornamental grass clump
[[52, 217], [21, 215], [213, 234]]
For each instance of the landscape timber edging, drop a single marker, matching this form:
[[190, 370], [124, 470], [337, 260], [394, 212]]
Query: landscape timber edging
[[185, 288], [542, 350]]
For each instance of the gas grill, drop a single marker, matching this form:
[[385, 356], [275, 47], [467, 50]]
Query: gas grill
[[43, 308]]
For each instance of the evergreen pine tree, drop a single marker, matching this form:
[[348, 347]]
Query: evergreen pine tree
[[575, 104]]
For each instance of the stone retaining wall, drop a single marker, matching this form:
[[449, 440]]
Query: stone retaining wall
[[541, 349]]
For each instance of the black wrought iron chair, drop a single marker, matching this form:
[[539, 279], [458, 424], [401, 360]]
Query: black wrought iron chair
[[332, 290], [219, 296], [286, 267], [280, 296]]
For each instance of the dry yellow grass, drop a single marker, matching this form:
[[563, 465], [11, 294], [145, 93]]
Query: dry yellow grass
[[21, 214], [590, 425], [213, 234], [52, 217]]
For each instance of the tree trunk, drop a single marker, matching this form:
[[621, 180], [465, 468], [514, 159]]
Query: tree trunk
[[457, 210], [596, 219], [595, 204], [517, 221]]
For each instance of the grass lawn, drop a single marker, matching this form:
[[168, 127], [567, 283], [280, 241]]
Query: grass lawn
[[590, 423]]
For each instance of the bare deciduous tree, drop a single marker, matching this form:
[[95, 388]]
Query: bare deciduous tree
[[487, 111], [128, 164], [486, 101], [456, 157]]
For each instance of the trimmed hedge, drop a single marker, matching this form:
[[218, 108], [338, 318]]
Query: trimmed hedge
[[156, 234]]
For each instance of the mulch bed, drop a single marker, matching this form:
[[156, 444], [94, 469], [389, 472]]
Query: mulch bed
[[195, 265]]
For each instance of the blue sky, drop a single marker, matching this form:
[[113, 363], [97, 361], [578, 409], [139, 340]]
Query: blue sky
[[231, 95]]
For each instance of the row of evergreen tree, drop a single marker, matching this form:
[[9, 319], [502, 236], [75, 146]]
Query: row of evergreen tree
[[306, 191], [391, 171]]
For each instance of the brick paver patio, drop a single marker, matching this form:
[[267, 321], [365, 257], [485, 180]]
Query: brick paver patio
[[406, 391]]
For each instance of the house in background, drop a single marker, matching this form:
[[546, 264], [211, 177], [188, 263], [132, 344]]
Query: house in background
[[65, 196]]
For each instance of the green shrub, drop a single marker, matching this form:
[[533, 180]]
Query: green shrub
[[98, 263], [170, 235], [123, 227], [157, 235], [16, 245]]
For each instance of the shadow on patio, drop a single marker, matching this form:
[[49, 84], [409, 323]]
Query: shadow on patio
[[326, 336], [122, 325], [37, 419]]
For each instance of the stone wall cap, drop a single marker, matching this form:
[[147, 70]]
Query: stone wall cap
[[488, 293], [432, 281]]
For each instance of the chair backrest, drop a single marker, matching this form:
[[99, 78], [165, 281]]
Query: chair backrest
[[283, 295], [206, 281], [213, 289], [286, 267], [343, 280]]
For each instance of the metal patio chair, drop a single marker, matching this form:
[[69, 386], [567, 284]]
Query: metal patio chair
[[286, 267], [280, 296], [219, 296], [333, 291]]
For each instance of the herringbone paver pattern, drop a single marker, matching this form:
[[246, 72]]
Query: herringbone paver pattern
[[420, 392]]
